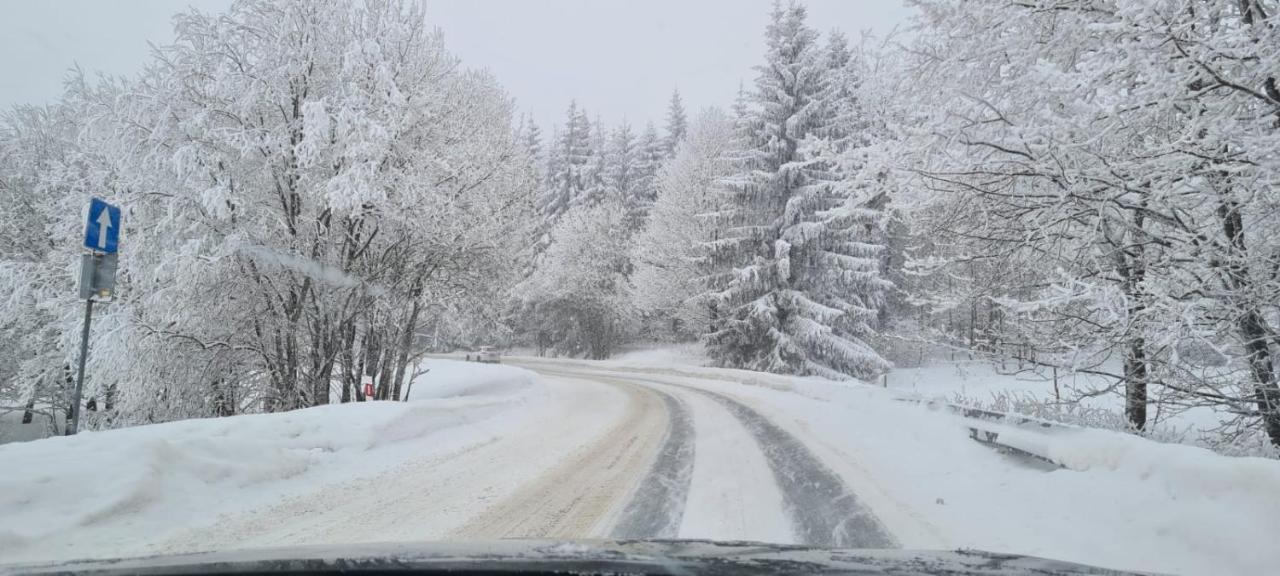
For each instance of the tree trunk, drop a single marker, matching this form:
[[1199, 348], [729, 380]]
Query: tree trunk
[[224, 402], [1135, 383], [68, 388], [384, 377], [1266, 392], [348, 360], [29, 413], [369, 360], [1253, 329], [406, 342]]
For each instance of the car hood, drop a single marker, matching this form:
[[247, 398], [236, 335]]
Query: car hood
[[574, 556]]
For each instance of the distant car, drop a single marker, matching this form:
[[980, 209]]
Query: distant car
[[488, 354]]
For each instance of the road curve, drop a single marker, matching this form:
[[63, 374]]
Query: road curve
[[822, 510]]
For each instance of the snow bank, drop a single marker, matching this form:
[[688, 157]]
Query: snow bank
[[453, 378], [106, 493], [1121, 502]]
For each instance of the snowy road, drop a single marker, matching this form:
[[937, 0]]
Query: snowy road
[[609, 454]]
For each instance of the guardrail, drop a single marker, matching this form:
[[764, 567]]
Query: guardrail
[[984, 429]]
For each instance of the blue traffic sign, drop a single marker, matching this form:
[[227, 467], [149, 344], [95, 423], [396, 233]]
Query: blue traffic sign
[[102, 229]]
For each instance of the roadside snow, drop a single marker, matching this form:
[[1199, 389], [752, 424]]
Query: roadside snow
[[106, 493], [980, 384]]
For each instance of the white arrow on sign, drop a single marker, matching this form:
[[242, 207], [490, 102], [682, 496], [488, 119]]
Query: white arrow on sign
[[104, 222]]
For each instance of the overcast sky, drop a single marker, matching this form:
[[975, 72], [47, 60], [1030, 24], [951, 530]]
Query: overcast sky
[[618, 58]]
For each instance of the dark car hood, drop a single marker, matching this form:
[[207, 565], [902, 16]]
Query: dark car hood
[[576, 556]]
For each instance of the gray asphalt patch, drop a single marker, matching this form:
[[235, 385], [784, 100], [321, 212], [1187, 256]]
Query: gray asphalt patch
[[823, 511], [658, 505]]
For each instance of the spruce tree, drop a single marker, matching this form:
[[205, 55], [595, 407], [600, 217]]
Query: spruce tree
[[532, 138], [804, 278], [568, 166], [677, 124], [595, 185], [621, 172], [650, 154]]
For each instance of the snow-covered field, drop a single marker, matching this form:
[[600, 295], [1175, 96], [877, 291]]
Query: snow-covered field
[[576, 450]]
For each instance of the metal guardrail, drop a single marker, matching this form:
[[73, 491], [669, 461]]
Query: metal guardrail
[[991, 438]]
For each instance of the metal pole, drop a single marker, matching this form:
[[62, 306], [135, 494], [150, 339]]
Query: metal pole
[[84, 355]]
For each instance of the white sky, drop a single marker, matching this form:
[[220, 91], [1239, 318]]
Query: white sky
[[618, 58]]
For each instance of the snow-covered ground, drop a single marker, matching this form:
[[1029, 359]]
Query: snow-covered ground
[[648, 441], [117, 492], [982, 384]]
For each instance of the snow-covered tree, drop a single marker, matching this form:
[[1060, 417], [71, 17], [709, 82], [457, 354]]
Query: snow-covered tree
[[1093, 171], [672, 273], [677, 124], [568, 166], [532, 137], [649, 159], [621, 170], [302, 184], [806, 279], [577, 299]]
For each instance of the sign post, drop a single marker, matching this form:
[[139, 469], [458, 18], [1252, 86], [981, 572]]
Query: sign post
[[97, 279]]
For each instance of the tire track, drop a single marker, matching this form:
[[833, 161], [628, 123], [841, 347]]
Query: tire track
[[657, 508], [579, 497], [823, 511]]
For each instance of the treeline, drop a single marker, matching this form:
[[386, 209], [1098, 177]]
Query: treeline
[[761, 231]]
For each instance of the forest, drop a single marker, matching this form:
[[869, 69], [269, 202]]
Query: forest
[[319, 193]]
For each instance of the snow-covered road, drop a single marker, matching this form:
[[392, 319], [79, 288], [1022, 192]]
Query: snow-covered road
[[793, 496], [613, 454]]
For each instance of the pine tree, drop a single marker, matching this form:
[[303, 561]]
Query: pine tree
[[595, 185], [677, 124], [567, 166], [650, 154], [841, 107], [621, 172], [531, 135], [806, 279]]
